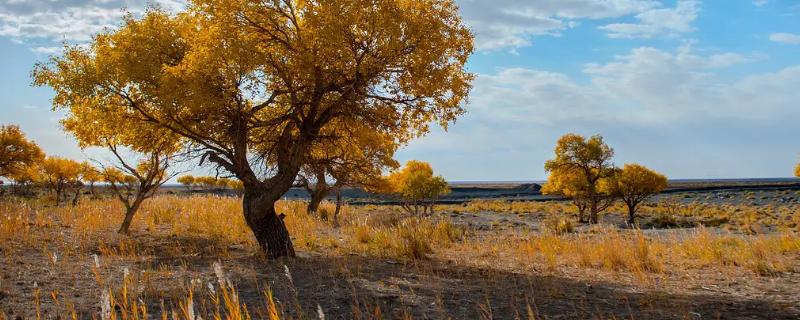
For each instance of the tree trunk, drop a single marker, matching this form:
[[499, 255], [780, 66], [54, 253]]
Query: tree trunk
[[268, 227], [593, 212], [631, 214], [338, 207], [76, 196], [58, 196], [581, 211], [129, 213], [317, 195]]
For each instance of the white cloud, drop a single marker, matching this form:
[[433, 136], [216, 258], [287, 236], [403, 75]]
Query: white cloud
[[787, 38], [760, 3], [646, 85], [677, 111], [71, 20], [658, 22], [505, 24]]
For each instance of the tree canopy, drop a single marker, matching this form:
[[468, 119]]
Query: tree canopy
[[417, 186], [256, 85], [579, 168], [16, 152], [634, 184]]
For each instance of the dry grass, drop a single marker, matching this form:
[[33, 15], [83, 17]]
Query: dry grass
[[209, 226]]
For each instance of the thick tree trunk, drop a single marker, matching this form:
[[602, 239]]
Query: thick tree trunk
[[129, 213], [593, 213], [317, 195], [75, 197], [631, 213], [268, 227], [58, 197]]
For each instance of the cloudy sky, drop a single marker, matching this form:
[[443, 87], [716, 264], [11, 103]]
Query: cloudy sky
[[694, 89]]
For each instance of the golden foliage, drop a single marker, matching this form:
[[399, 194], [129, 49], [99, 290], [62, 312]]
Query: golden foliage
[[416, 185], [17, 153], [578, 171], [633, 184]]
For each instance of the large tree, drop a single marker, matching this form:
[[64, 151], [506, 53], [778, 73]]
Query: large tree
[[255, 84], [588, 161], [16, 151]]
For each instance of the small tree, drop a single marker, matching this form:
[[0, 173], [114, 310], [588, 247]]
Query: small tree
[[24, 179], [357, 158], [59, 175], [634, 184], [417, 187], [187, 181], [17, 152], [206, 182], [797, 170], [90, 175], [133, 184], [588, 162]]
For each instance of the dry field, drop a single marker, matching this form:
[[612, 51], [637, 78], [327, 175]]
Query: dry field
[[193, 257]]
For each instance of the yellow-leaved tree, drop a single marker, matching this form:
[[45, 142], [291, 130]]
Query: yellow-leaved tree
[[570, 183], [140, 149], [633, 184], [417, 187], [17, 153], [797, 170], [249, 81], [23, 180], [187, 181], [356, 158], [60, 175], [578, 170], [90, 175]]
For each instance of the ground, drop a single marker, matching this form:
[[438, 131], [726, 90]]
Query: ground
[[695, 255]]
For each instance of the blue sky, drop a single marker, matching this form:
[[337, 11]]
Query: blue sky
[[694, 89]]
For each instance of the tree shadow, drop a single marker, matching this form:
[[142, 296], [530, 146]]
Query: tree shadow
[[350, 287]]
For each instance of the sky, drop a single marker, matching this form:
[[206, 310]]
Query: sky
[[690, 88]]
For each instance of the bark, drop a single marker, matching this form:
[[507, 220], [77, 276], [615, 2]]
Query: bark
[[76, 196], [317, 195], [129, 213], [268, 227], [631, 211], [58, 196], [335, 218]]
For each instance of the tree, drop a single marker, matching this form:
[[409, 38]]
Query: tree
[[16, 151], [187, 181], [90, 175], [206, 182], [245, 81], [634, 184], [797, 170], [586, 163], [417, 187], [133, 184], [355, 160], [59, 175], [24, 179], [572, 184]]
